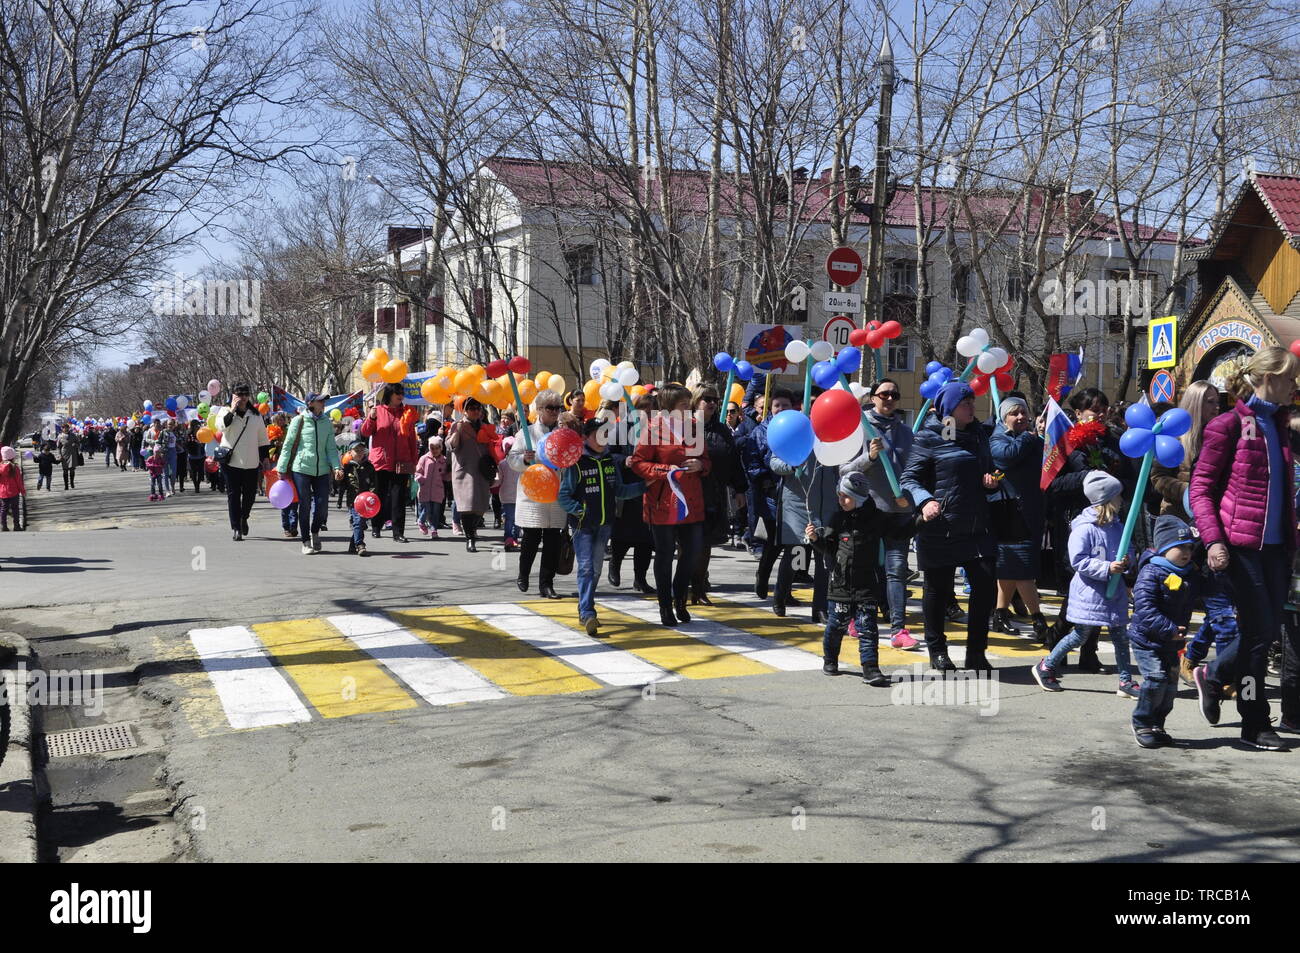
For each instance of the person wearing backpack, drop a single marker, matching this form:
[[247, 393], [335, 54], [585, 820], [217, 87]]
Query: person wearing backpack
[[311, 458]]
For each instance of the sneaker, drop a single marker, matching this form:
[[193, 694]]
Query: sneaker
[[1287, 724], [361, 549], [1046, 678], [592, 626], [830, 667], [1265, 739], [455, 529], [903, 640], [874, 677], [433, 534], [1128, 690], [1185, 669], [1206, 696], [1165, 738], [424, 528], [1146, 738], [307, 550]]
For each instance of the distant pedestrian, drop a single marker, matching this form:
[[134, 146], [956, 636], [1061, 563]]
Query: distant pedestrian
[[69, 456], [244, 451], [12, 489]]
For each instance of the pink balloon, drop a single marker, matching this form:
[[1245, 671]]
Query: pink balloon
[[214, 387], [281, 494]]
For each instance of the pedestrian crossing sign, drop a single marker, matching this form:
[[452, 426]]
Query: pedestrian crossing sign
[[1162, 342]]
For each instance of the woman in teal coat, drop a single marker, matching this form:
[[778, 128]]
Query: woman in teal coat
[[311, 456]]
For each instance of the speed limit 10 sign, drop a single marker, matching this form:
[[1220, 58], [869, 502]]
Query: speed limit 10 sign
[[837, 331]]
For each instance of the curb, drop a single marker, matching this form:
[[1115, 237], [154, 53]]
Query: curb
[[17, 774]]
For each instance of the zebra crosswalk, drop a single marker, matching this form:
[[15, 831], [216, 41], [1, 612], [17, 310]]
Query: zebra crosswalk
[[300, 670]]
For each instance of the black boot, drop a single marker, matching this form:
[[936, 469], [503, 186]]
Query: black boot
[[640, 585], [1040, 628], [666, 615], [760, 585], [1001, 622], [615, 572], [941, 663], [679, 607]]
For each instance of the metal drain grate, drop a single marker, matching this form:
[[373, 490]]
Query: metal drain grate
[[101, 738]]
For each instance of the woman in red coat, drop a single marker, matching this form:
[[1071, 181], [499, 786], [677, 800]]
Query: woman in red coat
[[394, 449], [671, 457]]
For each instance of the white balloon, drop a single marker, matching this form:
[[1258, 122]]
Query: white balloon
[[182, 402], [598, 368], [980, 335], [822, 351], [999, 355], [987, 363], [628, 376], [967, 346], [796, 351], [204, 397], [839, 451], [611, 390], [622, 366]]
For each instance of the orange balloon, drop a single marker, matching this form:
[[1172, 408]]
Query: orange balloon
[[527, 391], [737, 394], [477, 371], [379, 354], [465, 383], [591, 391], [372, 369], [541, 379], [394, 372], [205, 435], [263, 409], [489, 392], [459, 402], [540, 483], [430, 391]]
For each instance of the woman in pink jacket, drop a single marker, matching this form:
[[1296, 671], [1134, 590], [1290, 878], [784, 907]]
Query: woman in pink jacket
[[1243, 499]]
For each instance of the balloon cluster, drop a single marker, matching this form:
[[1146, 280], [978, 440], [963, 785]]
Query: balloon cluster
[[743, 370], [1002, 376], [616, 382], [797, 351], [827, 373], [875, 334], [379, 367], [492, 386], [936, 376], [1146, 433]]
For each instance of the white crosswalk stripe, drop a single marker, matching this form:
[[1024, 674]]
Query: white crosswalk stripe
[[253, 692]]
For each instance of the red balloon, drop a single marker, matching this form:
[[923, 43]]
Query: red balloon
[[875, 338], [496, 368], [1004, 381], [873, 325], [891, 329], [1009, 364], [858, 337], [979, 384], [1295, 347], [835, 415], [521, 365], [210, 465], [563, 447], [366, 505]]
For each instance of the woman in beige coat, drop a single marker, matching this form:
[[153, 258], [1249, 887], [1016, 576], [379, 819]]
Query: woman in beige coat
[[470, 488]]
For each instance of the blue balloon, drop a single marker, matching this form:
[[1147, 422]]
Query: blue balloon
[[849, 360], [1140, 416], [946, 373], [1135, 442], [542, 458], [170, 404], [1169, 451], [724, 362], [930, 389], [825, 375], [148, 405], [938, 378], [932, 367], [744, 370], [790, 437], [147, 419], [1175, 422]]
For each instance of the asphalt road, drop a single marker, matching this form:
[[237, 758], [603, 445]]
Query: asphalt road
[[733, 759]]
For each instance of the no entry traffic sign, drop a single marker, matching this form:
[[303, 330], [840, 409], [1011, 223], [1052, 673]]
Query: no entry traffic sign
[[844, 266]]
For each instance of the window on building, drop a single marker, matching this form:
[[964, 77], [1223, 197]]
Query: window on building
[[900, 277], [581, 264], [1014, 286], [959, 287], [900, 354]]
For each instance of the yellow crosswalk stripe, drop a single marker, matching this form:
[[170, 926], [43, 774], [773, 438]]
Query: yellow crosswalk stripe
[[509, 663], [790, 631], [336, 677], [675, 651]]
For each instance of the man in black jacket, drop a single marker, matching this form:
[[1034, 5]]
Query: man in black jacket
[[851, 543]]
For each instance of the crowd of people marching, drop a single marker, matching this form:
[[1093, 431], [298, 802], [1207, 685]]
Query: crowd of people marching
[[671, 478]]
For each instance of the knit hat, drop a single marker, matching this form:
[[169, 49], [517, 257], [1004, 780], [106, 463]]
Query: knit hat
[[1008, 403], [1170, 531], [952, 395], [856, 485], [1099, 486], [6, 453]]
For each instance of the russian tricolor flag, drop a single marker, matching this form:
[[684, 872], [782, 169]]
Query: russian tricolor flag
[[674, 484], [1055, 449]]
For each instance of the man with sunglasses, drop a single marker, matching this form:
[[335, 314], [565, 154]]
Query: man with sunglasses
[[896, 440]]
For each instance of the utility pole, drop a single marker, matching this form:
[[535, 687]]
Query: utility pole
[[874, 298]]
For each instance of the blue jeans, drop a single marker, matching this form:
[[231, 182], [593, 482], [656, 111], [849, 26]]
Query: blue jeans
[[863, 614], [1159, 668], [1220, 624], [156, 484], [170, 470], [896, 581], [313, 502], [589, 553], [431, 513], [1263, 577], [508, 517], [1081, 633], [358, 526]]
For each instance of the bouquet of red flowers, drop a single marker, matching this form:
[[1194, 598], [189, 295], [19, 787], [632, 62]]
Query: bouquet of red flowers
[[1087, 437]]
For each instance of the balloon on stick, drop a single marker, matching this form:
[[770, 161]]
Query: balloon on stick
[[1152, 440]]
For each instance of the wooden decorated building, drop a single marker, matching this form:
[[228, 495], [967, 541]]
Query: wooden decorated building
[[1248, 274]]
